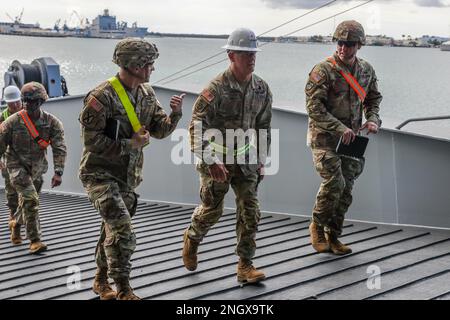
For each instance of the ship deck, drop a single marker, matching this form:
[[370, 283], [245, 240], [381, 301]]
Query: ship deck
[[414, 262]]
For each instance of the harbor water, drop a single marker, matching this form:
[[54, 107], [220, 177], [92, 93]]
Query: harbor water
[[415, 82]]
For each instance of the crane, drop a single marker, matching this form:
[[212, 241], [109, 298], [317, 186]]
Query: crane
[[56, 27], [17, 19], [81, 20], [12, 19]]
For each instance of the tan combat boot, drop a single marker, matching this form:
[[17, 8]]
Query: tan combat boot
[[124, 291], [318, 240], [246, 272], [14, 227], [190, 252], [336, 246], [37, 246], [101, 285]]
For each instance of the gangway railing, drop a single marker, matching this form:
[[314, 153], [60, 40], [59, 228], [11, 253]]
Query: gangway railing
[[405, 179], [404, 123]]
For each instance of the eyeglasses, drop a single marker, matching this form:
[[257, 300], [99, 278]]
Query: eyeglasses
[[247, 53], [348, 44], [31, 102]]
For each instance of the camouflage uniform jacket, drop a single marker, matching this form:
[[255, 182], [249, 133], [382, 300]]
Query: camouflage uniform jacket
[[224, 104], [22, 151], [2, 119], [105, 158], [333, 106]]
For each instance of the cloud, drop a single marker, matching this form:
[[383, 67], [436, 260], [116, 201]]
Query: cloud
[[432, 3], [308, 4], [301, 4]]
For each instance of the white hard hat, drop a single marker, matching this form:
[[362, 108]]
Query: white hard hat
[[242, 39], [11, 94]]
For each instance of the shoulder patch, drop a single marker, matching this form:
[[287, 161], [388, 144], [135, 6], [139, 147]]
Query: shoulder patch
[[207, 95], [317, 76], [94, 104], [88, 117], [309, 86]]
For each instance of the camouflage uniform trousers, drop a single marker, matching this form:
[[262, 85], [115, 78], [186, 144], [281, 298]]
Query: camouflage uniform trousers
[[28, 204], [210, 210], [335, 193], [116, 204], [12, 198]]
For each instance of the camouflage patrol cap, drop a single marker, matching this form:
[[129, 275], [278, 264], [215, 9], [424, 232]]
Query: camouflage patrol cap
[[350, 30], [133, 52], [33, 91]]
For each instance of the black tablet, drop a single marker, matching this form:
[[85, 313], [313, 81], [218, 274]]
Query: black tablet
[[354, 149]]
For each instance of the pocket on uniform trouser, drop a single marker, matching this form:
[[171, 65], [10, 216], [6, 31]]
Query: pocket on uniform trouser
[[108, 201], [327, 164], [352, 168], [251, 214], [119, 244], [20, 179], [317, 156], [96, 192], [212, 192], [29, 200], [206, 195], [38, 184], [130, 199], [245, 188]]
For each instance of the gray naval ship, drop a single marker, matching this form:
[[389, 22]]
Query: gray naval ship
[[398, 225], [107, 26], [104, 26]]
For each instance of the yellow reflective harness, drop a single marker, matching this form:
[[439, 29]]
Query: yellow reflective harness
[[5, 114], [224, 150], [350, 79], [120, 90], [43, 144]]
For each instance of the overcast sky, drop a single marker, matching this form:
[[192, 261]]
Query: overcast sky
[[393, 18]]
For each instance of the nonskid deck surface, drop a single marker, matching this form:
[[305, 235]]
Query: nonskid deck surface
[[402, 262]]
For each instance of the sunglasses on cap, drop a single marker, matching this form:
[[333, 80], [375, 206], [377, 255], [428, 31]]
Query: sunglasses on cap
[[348, 44]]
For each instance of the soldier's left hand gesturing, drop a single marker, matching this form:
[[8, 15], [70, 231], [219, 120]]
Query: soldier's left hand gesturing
[[176, 102], [56, 180]]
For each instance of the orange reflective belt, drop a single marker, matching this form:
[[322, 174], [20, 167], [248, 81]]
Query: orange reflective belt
[[32, 130], [350, 80]]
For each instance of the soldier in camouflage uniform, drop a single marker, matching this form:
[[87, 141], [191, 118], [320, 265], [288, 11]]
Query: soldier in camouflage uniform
[[235, 99], [13, 101], [335, 108], [26, 160], [111, 166]]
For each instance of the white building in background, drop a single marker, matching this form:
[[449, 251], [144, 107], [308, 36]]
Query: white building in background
[[379, 40], [445, 46]]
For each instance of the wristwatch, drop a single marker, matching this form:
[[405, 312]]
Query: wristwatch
[[58, 173]]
